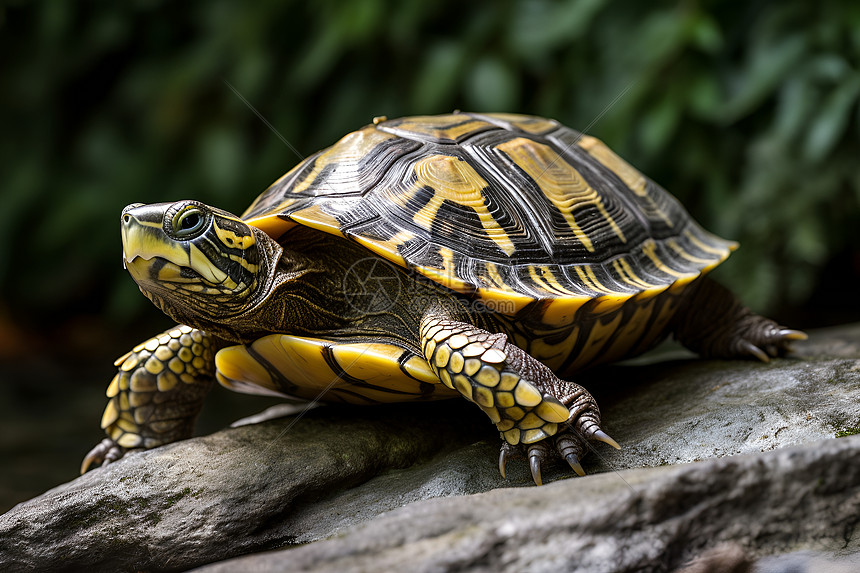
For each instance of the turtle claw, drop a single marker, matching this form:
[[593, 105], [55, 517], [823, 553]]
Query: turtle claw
[[573, 462], [789, 334], [503, 460], [568, 445], [602, 436], [103, 453], [768, 343], [751, 349], [534, 466]]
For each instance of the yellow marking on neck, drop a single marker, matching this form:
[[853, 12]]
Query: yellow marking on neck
[[202, 265], [452, 179], [563, 185], [245, 264], [233, 240], [626, 172]]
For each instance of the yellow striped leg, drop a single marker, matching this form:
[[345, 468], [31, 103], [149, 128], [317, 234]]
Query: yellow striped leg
[[156, 394], [526, 401]]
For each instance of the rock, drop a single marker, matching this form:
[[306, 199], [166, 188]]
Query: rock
[[226, 494], [641, 520], [334, 471]]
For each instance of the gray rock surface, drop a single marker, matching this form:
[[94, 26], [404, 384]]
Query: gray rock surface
[[637, 520], [333, 472]]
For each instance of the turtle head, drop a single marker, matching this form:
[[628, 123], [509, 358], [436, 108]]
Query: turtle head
[[198, 264]]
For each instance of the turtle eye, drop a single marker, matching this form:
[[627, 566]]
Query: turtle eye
[[187, 222]]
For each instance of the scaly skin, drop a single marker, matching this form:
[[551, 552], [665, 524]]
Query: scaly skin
[[261, 288], [527, 402], [713, 323], [156, 394]]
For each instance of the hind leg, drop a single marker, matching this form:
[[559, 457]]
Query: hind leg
[[715, 324]]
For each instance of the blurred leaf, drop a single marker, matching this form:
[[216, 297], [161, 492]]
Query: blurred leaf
[[833, 120], [539, 26], [705, 33], [748, 111], [768, 66], [491, 86], [658, 125], [437, 80]]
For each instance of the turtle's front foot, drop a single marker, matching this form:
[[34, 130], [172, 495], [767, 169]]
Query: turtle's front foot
[[103, 453], [567, 445]]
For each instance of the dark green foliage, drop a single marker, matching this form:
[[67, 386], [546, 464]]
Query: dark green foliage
[[747, 111]]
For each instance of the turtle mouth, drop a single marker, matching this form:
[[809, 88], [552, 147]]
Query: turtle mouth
[[150, 255], [157, 269]]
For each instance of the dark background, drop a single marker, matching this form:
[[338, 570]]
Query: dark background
[[747, 111]]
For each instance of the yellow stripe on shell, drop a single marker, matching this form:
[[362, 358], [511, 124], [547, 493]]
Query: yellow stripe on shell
[[675, 246], [632, 329], [502, 301], [315, 218], [386, 249], [626, 172], [530, 124], [563, 185], [561, 311], [345, 156], [649, 247], [454, 180], [597, 338], [450, 127], [446, 276], [628, 275], [272, 225], [547, 280], [722, 252]]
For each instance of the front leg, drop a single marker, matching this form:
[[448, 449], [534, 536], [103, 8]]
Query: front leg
[[526, 401], [156, 394]]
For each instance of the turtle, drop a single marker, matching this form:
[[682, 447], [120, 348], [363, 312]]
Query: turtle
[[487, 256]]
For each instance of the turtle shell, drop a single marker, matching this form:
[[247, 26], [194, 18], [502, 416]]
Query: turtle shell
[[504, 207]]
